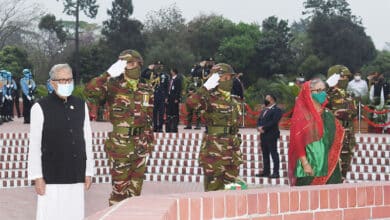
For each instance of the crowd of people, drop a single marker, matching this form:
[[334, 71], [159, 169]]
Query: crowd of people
[[60, 155]]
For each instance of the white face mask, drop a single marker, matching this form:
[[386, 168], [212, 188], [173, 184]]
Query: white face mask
[[357, 78], [65, 89]]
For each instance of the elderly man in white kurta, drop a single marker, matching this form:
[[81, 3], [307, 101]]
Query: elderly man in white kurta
[[60, 151]]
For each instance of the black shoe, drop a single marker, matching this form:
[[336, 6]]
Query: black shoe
[[262, 175], [197, 128], [187, 127], [274, 176]]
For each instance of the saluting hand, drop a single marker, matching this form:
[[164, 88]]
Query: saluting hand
[[40, 186]]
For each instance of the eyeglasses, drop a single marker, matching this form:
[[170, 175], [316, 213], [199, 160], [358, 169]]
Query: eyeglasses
[[63, 81], [319, 90]]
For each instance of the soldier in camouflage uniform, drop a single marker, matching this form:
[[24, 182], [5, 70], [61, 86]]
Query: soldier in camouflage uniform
[[343, 107], [131, 107], [220, 154], [199, 74]]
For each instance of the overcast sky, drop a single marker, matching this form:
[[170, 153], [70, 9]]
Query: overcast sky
[[375, 14]]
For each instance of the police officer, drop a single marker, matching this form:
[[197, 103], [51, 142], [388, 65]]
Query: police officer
[[9, 90], [156, 76], [130, 105], [220, 155], [28, 88], [199, 74], [343, 106], [3, 81]]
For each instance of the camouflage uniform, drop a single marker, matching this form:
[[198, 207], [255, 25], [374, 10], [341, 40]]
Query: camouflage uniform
[[195, 83], [220, 154], [131, 140], [343, 102]]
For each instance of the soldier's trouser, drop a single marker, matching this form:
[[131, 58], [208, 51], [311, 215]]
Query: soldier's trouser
[[127, 158], [190, 116], [217, 178], [220, 158], [347, 150]]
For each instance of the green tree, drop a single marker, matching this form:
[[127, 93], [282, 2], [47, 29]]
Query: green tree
[[14, 59], [380, 64], [49, 23], [120, 31], [312, 66], [73, 8], [340, 41], [165, 31], [93, 60], [274, 54], [239, 50], [207, 32], [329, 8]]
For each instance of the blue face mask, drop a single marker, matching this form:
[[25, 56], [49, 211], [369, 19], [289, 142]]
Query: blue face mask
[[65, 90], [319, 97]]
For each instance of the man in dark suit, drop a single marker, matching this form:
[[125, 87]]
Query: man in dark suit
[[238, 87], [173, 100], [268, 126]]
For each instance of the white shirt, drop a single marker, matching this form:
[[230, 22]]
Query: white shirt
[[358, 87]]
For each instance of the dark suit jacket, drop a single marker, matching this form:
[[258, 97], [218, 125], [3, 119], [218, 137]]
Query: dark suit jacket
[[238, 88], [174, 92], [269, 120]]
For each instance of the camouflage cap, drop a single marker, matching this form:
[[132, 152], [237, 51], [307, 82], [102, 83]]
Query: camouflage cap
[[222, 68], [131, 56], [340, 69]]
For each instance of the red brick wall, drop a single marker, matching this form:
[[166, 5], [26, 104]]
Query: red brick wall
[[334, 202]]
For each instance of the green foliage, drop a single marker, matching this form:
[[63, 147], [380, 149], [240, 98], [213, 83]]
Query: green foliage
[[14, 59], [94, 60], [312, 66], [329, 8], [339, 40], [79, 91], [89, 7], [166, 39], [206, 33], [274, 55], [278, 86], [120, 31], [49, 23], [239, 50], [380, 64], [41, 91]]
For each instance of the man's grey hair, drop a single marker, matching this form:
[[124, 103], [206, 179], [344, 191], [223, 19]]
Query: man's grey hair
[[56, 68]]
